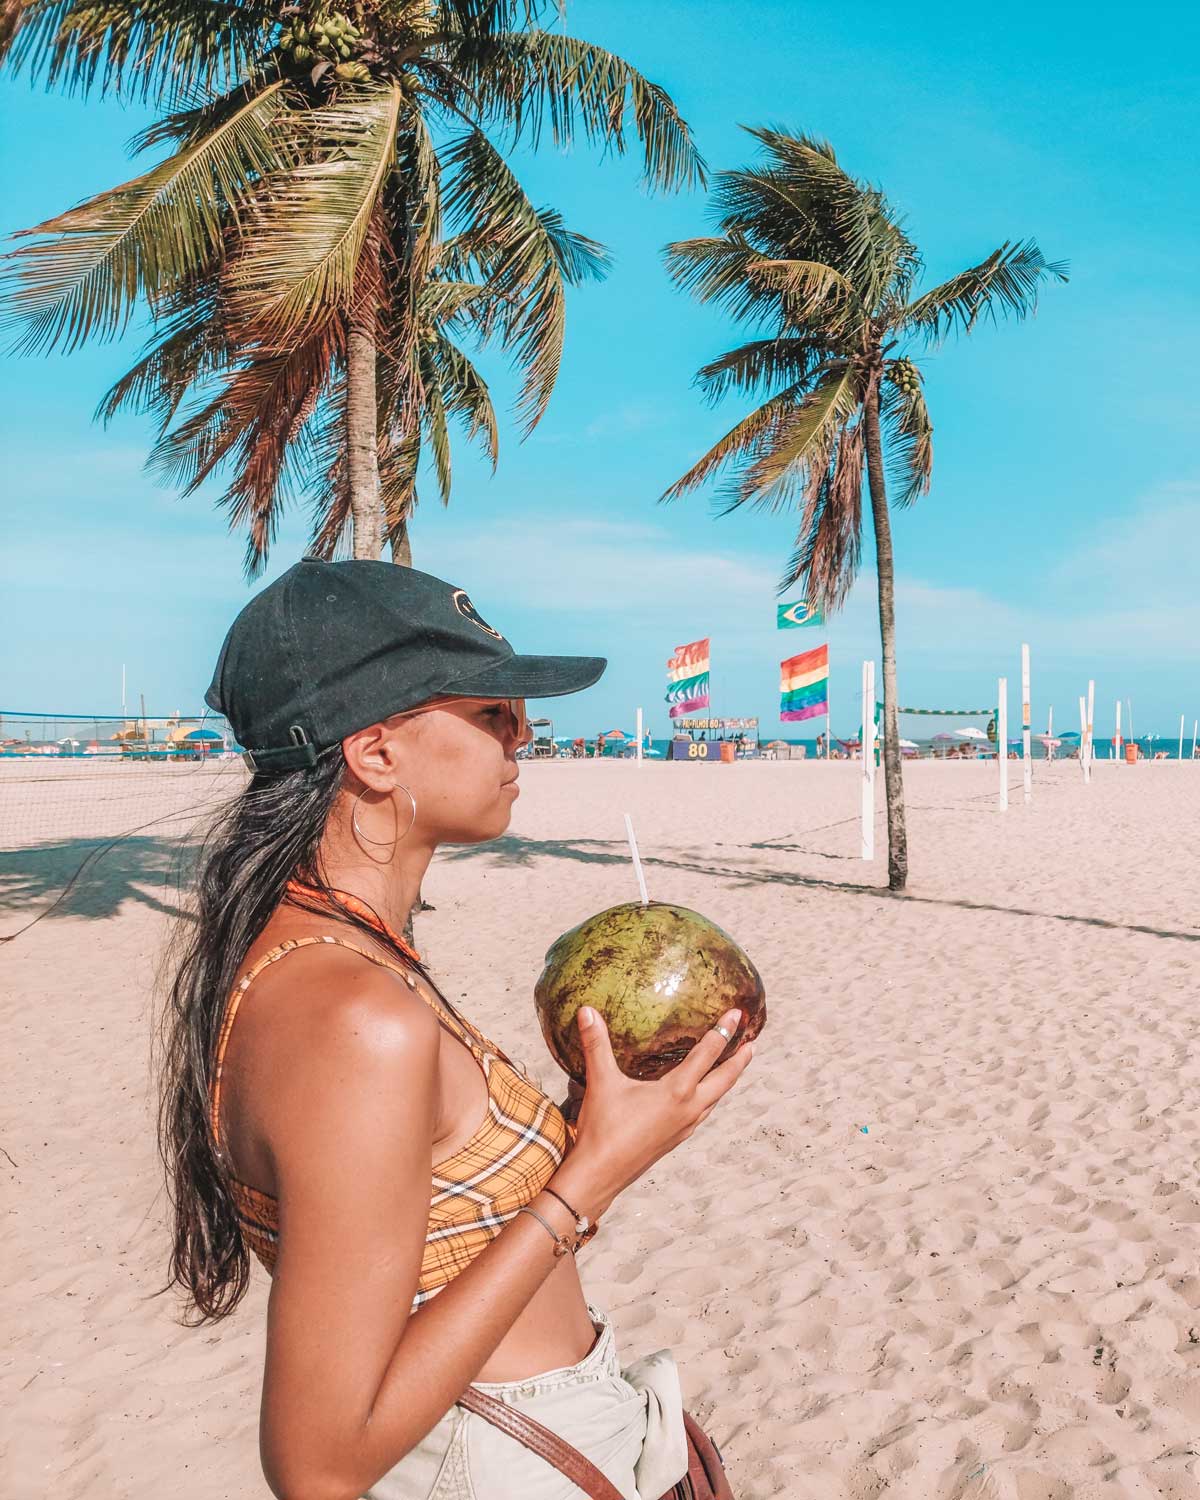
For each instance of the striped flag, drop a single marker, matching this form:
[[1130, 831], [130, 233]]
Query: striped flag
[[804, 685], [797, 614], [688, 678]]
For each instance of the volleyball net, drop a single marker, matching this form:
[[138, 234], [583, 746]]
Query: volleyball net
[[88, 802]]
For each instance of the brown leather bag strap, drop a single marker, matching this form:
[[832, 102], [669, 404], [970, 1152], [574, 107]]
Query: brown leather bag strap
[[557, 1452]]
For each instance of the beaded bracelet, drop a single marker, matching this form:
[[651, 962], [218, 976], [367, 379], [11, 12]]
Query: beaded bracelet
[[562, 1245], [584, 1228]]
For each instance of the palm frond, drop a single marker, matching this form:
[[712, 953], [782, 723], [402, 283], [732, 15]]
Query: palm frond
[[1007, 282], [260, 411], [188, 346], [762, 362], [805, 431], [525, 255], [323, 445], [744, 439], [813, 293], [805, 206], [464, 394], [146, 49], [297, 257], [909, 444], [720, 269], [828, 547], [542, 80], [87, 268]]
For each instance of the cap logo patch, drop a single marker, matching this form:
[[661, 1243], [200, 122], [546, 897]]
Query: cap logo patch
[[469, 612]]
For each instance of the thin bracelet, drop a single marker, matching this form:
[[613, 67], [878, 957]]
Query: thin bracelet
[[585, 1228], [562, 1245]]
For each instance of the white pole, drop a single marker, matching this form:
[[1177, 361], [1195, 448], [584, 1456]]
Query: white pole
[[1180, 736], [1026, 741], [1050, 732], [639, 734], [1002, 747], [1091, 735], [867, 741], [122, 692], [1195, 726], [1083, 760], [828, 723], [1117, 740]]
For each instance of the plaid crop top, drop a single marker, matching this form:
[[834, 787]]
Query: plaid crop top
[[475, 1192]]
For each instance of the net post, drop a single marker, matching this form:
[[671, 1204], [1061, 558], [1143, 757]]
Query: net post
[[1091, 721], [1083, 735], [867, 744], [639, 734], [1002, 739], [1026, 728]]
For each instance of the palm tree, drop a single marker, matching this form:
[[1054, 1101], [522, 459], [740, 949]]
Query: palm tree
[[334, 216], [818, 263]]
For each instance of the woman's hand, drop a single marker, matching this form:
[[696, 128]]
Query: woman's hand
[[625, 1126]]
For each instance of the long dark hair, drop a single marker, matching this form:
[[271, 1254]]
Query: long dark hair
[[266, 836]]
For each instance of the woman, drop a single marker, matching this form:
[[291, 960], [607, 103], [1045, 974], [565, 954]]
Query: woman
[[322, 1101]]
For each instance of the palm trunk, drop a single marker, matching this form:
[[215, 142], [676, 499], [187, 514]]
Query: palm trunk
[[361, 429], [402, 545], [893, 775]]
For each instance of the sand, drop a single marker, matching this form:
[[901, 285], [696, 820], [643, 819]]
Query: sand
[[941, 1245]]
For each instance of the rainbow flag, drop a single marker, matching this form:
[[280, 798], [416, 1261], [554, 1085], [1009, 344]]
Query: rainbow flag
[[804, 685], [688, 678]]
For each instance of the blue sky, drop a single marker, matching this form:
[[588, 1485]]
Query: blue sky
[[1065, 508]]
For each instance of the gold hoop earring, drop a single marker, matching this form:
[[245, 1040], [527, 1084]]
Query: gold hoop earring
[[397, 837]]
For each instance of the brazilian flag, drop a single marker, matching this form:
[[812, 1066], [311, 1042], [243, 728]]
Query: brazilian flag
[[798, 614]]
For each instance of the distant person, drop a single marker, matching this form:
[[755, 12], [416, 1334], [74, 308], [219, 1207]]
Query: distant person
[[601, 741]]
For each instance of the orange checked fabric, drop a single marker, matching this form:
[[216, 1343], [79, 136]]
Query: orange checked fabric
[[475, 1192]]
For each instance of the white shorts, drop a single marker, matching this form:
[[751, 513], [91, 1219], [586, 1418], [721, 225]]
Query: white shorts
[[628, 1422]]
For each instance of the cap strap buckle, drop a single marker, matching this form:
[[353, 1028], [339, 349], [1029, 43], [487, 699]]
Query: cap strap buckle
[[300, 754]]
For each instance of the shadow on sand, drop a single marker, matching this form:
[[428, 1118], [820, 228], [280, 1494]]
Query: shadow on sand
[[517, 852], [90, 878]]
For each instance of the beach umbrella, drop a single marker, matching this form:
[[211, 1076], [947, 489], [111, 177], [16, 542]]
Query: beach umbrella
[[944, 738], [1070, 734], [970, 733], [615, 734], [908, 745]]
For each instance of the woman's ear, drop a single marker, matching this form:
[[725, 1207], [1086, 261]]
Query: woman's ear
[[372, 756]]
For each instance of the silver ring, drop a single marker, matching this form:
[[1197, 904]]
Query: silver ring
[[728, 1035]]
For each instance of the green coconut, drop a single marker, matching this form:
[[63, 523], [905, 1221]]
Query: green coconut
[[660, 975]]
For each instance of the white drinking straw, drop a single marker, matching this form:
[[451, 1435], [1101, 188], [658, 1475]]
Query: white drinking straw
[[637, 859]]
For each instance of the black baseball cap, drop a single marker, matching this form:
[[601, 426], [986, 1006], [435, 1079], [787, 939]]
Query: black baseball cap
[[334, 646]]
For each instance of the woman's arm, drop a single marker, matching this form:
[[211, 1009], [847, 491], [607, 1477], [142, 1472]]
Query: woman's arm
[[350, 1384]]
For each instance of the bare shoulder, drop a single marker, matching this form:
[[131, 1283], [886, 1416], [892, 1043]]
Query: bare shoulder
[[347, 1019], [331, 1044]]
